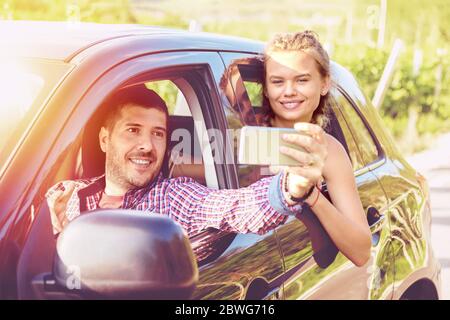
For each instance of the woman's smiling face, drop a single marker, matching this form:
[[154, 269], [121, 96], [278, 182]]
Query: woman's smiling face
[[293, 86]]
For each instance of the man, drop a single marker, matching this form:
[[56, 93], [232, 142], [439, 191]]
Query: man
[[134, 138]]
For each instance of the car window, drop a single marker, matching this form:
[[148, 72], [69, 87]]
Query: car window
[[24, 85], [84, 158], [245, 77], [242, 85], [358, 129], [185, 156], [183, 80], [185, 152], [172, 95], [255, 93], [353, 150]]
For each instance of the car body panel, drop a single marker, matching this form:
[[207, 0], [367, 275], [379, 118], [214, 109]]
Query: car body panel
[[238, 272], [304, 277], [409, 209]]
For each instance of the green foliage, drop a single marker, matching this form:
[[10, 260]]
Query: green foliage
[[113, 11], [167, 90], [426, 90], [365, 62], [171, 20], [255, 93], [407, 89]]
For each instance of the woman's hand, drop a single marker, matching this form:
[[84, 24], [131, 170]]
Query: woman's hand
[[309, 172]]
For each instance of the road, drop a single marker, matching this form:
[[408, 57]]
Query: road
[[435, 165]]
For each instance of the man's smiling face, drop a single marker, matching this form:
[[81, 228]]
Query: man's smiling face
[[135, 147]]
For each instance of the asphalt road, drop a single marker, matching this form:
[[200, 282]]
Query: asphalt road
[[435, 165]]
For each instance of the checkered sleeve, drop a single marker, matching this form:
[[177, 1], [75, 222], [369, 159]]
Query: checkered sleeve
[[244, 210], [52, 191]]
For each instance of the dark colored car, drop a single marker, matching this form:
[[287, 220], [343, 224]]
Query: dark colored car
[[54, 77]]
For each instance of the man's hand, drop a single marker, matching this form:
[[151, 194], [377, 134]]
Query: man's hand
[[311, 163], [57, 204]]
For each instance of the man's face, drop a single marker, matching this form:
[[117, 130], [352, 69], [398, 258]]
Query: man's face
[[134, 148]]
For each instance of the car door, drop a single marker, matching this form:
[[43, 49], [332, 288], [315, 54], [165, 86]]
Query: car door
[[243, 94], [234, 266], [227, 270], [312, 268], [374, 280], [409, 211]]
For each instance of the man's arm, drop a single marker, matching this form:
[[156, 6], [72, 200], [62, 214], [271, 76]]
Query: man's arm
[[263, 205], [257, 208]]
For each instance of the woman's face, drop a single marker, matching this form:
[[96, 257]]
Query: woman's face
[[293, 86]]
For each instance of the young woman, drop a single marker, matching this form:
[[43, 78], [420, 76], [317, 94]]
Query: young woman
[[296, 89]]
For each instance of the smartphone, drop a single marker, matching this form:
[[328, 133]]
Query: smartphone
[[261, 146]]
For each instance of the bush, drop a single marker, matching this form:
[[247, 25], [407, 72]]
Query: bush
[[408, 91]]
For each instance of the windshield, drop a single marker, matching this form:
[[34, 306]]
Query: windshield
[[24, 86]]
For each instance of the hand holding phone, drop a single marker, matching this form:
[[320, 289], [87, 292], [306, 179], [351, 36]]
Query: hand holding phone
[[261, 146], [312, 164], [302, 151]]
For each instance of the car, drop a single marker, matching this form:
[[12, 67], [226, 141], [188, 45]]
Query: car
[[55, 76]]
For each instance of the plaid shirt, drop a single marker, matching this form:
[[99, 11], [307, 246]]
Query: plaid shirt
[[194, 206]]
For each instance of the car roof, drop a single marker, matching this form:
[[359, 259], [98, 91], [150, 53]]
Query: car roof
[[60, 40], [73, 41]]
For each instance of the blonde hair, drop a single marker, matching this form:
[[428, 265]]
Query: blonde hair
[[306, 41]]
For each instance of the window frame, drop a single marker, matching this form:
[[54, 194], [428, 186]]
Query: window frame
[[381, 159], [142, 69], [188, 82], [208, 67]]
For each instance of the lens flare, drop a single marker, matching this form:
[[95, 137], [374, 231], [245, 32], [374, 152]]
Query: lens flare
[[18, 89]]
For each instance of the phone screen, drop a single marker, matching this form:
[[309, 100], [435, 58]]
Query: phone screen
[[261, 146]]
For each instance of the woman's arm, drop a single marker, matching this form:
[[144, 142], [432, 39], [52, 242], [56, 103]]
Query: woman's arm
[[344, 219]]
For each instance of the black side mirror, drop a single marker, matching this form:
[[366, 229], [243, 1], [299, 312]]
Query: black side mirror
[[125, 254]]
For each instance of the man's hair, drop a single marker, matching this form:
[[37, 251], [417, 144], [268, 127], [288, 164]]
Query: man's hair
[[137, 95]]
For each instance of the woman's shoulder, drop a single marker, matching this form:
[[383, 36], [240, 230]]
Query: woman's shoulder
[[333, 144], [337, 156]]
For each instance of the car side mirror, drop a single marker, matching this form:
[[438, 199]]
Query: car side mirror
[[125, 254]]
